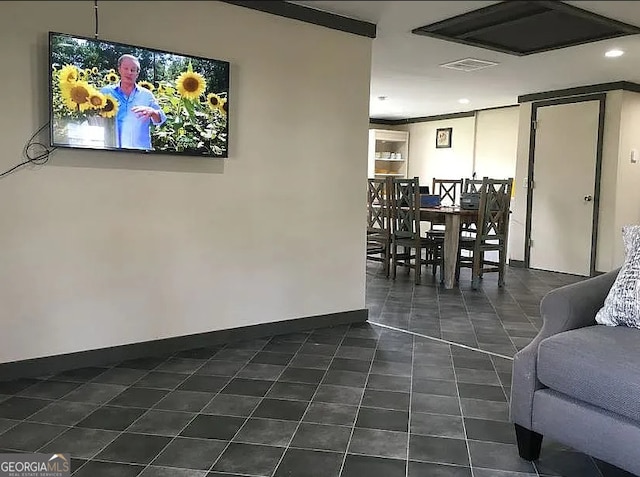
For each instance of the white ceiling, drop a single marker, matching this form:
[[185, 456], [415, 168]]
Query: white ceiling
[[405, 67]]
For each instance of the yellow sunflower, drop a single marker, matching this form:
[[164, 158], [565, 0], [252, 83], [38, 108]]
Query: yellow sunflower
[[110, 108], [223, 106], [213, 100], [97, 100], [112, 70], [94, 70], [76, 95], [191, 85], [68, 74], [146, 85], [112, 77]]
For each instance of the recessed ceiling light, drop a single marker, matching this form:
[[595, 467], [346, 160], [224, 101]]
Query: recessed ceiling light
[[614, 53], [382, 98], [463, 101]]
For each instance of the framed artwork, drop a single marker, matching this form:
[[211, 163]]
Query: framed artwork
[[443, 137]]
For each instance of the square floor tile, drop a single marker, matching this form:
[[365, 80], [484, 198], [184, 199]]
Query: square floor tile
[[138, 397], [268, 372], [134, 448], [266, 431], [379, 443], [180, 365], [213, 427], [348, 364], [295, 391], [345, 378], [434, 404], [187, 401], [281, 409], [49, 389], [492, 431], [435, 386], [439, 450], [21, 407], [63, 413], [383, 419], [160, 380], [266, 357], [7, 424], [29, 436], [199, 454], [123, 376], [299, 462], [162, 423], [220, 368], [389, 383], [302, 375], [147, 363], [311, 361], [91, 393], [359, 465], [491, 455], [249, 459], [155, 471], [80, 374], [329, 413], [111, 418], [481, 409], [16, 385], [321, 437], [80, 443], [247, 387], [386, 399], [338, 394], [207, 384], [232, 405], [354, 352], [481, 391], [436, 425]]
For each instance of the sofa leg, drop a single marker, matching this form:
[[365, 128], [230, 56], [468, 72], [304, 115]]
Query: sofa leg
[[529, 443]]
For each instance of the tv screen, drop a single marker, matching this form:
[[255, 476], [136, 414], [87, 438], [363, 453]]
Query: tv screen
[[106, 95]]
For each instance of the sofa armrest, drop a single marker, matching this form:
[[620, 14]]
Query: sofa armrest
[[563, 309]]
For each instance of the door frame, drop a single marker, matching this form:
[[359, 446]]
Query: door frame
[[596, 190]]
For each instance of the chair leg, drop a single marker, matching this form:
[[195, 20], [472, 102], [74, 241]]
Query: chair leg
[[387, 259], [501, 266], [394, 260], [529, 443]]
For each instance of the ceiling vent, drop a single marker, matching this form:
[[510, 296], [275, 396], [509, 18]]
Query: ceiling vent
[[468, 64], [527, 27]]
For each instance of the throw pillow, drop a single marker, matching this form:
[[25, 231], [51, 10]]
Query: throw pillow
[[622, 305]]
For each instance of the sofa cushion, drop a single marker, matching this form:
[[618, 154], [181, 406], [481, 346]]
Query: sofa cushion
[[622, 304], [597, 364]]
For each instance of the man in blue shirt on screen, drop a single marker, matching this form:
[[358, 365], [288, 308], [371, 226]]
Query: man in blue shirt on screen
[[137, 107]]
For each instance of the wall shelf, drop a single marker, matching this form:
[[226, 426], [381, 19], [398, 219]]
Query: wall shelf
[[392, 143]]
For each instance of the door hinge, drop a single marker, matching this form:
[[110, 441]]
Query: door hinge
[[530, 242], [534, 124]]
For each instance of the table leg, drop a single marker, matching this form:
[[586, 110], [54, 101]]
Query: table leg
[[451, 241]]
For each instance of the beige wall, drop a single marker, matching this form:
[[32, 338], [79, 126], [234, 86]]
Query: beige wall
[[628, 174], [484, 143], [619, 193], [427, 162], [101, 249]]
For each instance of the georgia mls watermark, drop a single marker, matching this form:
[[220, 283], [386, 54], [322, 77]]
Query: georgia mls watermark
[[35, 465]]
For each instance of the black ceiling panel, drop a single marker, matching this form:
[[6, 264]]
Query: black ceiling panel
[[523, 27]]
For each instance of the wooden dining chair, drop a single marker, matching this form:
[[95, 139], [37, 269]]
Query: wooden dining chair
[[449, 190], [405, 219], [492, 230], [379, 192]]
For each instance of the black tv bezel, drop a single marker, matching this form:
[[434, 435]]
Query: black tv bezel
[[150, 152]]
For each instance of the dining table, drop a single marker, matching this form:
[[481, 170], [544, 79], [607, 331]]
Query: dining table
[[452, 217]]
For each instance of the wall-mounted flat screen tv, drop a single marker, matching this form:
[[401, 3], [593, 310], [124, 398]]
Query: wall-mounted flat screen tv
[[113, 96]]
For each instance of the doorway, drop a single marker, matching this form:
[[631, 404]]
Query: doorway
[[565, 155]]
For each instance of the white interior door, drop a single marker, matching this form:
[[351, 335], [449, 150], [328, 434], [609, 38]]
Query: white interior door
[[564, 174]]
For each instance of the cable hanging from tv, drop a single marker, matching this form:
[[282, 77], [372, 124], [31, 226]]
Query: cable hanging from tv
[[95, 10], [35, 152]]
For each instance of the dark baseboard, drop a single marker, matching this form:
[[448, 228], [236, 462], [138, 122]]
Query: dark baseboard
[[517, 263], [106, 356]]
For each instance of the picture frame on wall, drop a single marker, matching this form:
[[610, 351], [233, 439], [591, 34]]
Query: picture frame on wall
[[443, 137]]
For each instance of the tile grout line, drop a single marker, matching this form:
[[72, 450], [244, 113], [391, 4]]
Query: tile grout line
[[353, 428], [464, 426], [288, 446], [440, 340], [413, 351]]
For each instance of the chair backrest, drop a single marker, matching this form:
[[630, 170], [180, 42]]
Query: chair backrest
[[449, 190], [472, 186], [493, 213], [406, 208], [379, 205]]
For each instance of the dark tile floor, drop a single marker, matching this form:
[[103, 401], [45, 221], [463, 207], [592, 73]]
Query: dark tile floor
[[388, 398]]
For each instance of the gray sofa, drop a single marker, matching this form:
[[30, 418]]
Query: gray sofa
[[578, 383]]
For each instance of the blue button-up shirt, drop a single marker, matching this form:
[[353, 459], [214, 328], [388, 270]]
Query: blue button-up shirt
[[133, 132]]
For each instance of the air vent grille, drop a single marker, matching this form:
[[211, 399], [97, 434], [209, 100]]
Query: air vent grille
[[469, 64]]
